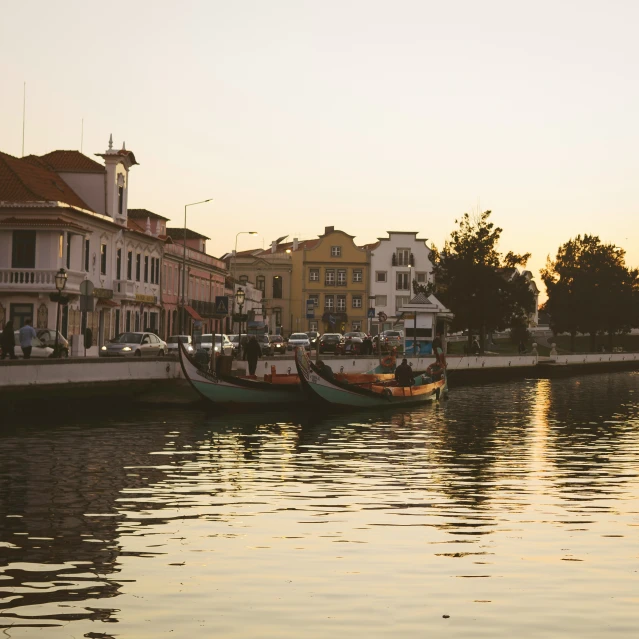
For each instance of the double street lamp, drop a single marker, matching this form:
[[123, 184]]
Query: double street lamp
[[183, 302], [60, 282]]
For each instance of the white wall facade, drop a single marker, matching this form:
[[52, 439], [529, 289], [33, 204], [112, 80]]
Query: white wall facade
[[387, 296]]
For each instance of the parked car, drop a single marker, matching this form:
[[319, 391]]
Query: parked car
[[313, 336], [278, 343], [138, 344], [38, 348], [172, 343], [356, 342], [329, 342], [389, 340], [298, 339], [222, 343], [47, 337]]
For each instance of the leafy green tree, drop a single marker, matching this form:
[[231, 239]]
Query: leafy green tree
[[483, 289], [590, 290]]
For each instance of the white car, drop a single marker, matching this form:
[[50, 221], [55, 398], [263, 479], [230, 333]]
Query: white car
[[299, 339], [38, 349], [172, 344], [222, 343]]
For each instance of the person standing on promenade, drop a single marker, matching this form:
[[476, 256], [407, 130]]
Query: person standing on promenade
[[8, 341], [27, 334], [252, 352]]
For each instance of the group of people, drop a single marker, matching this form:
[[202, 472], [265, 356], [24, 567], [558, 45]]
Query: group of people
[[8, 340]]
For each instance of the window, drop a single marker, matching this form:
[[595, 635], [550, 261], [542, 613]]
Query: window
[[336, 251], [103, 256], [381, 300], [380, 276], [146, 268], [313, 325], [260, 282], [422, 278], [357, 275], [61, 245], [315, 299], [341, 303], [138, 265], [120, 199], [329, 277], [243, 279], [277, 287], [400, 301], [403, 282], [24, 249], [127, 323], [164, 279], [152, 270], [341, 277], [357, 301], [277, 315], [313, 275], [68, 250], [118, 264], [129, 267], [357, 326], [329, 302], [403, 256], [157, 270], [87, 252]]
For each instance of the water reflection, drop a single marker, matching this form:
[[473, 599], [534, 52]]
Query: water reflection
[[105, 522]]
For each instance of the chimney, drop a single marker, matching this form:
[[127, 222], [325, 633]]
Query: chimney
[[296, 244], [328, 229], [148, 226], [273, 246]]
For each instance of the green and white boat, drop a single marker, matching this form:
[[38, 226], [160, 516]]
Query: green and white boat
[[376, 393]]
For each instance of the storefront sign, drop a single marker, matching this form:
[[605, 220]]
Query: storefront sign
[[146, 299], [103, 293]]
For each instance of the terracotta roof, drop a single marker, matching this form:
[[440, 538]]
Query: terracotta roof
[[178, 234], [40, 222], [71, 161], [23, 180], [144, 213], [132, 225]]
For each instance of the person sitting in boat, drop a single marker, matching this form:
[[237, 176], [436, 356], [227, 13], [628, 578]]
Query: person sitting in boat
[[404, 374], [325, 370]]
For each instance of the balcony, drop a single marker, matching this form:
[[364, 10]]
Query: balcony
[[124, 288], [37, 280], [403, 260]]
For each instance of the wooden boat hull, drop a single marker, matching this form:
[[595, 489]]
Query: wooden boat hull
[[222, 389], [352, 395]]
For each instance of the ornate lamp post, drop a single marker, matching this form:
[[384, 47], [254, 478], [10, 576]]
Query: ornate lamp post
[[239, 298], [60, 282], [237, 235]]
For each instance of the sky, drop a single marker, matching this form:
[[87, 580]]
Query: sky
[[365, 115]]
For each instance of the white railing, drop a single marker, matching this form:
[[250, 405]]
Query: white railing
[[37, 278]]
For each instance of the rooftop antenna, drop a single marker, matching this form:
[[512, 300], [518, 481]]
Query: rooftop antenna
[[82, 136], [24, 111]]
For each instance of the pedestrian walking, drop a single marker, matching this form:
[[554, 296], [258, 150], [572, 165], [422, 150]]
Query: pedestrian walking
[[8, 341], [27, 334], [253, 352]]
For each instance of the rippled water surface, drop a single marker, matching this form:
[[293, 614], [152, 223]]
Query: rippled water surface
[[510, 510]]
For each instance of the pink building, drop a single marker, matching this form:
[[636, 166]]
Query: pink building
[[204, 280]]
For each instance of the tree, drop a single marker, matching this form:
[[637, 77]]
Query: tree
[[590, 290], [483, 289]]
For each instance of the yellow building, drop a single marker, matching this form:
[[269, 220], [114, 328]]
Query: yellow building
[[334, 273]]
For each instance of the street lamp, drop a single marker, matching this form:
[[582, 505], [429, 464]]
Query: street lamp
[[60, 282], [235, 258], [239, 297], [184, 265]]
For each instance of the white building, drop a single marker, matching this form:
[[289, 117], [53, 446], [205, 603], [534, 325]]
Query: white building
[[395, 262], [65, 210]]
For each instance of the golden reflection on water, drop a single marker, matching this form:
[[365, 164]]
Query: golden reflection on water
[[510, 510]]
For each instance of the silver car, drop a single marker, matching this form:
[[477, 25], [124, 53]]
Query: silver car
[[222, 343], [172, 344], [298, 339], [135, 345]]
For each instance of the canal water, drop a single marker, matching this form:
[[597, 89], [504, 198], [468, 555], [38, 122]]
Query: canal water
[[509, 510]]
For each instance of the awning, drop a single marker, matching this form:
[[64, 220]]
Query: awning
[[107, 303], [193, 313]]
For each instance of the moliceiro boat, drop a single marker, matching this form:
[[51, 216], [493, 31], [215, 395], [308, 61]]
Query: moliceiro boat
[[224, 389], [319, 381]]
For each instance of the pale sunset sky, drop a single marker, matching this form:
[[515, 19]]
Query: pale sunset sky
[[366, 115]]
